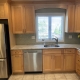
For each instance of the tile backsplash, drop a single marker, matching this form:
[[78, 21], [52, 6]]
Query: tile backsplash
[[26, 39]]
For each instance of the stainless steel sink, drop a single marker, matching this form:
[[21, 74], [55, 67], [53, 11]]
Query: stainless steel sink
[[51, 45]]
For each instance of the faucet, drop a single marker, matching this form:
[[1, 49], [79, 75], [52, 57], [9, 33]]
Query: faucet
[[43, 41], [56, 39]]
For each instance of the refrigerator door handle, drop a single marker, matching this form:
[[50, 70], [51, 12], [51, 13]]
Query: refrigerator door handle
[[2, 42]]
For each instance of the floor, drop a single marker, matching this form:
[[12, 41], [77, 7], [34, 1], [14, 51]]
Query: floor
[[52, 76]]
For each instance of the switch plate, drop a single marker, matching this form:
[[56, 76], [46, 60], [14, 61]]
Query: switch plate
[[33, 37], [70, 36]]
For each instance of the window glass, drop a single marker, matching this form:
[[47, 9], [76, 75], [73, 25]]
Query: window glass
[[56, 26], [49, 26], [43, 27]]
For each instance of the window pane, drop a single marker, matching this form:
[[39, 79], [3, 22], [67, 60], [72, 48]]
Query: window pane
[[56, 26], [42, 27]]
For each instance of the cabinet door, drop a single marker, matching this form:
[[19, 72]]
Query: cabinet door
[[77, 18], [17, 19], [57, 62], [17, 62], [77, 69], [69, 62], [29, 19], [2, 11], [47, 63], [71, 18]]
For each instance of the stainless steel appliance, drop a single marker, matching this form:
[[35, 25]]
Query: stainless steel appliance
[[32, 60], [5, 64]]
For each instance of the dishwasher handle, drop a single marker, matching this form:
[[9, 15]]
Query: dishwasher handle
[[32, 51]]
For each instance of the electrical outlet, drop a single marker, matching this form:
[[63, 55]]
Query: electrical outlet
[[70, 36], [33, 37]]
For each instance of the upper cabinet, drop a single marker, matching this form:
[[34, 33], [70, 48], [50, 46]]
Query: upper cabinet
[[47, 0], [70, 18], [3, 11], [77, 18], [29, 19], [17, 19], [23, 19]]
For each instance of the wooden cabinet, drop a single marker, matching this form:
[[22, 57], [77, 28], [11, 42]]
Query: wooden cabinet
[[52, 60], [71, 18], [23, 19], [29, 19], [47, 63], [48, 0], [69, 59], [17, 61], [57, 62], [78, 62], [3, 11], [77, 18], [17, 19]]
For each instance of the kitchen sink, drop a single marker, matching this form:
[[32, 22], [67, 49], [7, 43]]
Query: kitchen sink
[[51, 45]]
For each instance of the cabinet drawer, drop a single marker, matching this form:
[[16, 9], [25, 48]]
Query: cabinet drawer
[[69, 50], [16, 52], [45, 51]]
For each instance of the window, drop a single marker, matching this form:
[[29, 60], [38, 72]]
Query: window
[[50, 25]]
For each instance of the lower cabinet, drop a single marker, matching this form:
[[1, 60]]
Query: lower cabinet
[[52, 61], [69, 62], [47, 63], [78, 63], [17, 61], [58, 61]]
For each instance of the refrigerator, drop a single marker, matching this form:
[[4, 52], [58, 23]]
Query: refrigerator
[[5, 57]]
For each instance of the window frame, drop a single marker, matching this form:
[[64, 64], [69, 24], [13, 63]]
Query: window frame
[[47, 15]]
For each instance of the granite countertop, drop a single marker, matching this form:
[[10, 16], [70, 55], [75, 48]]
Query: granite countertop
[[77, 46]]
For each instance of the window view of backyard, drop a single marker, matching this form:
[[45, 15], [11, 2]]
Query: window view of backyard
[[56, 27], [49, 27], [43, 27]]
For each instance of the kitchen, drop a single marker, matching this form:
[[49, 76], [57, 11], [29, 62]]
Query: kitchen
[[36, 53]]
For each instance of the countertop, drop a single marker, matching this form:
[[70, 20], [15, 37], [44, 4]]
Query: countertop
[[77, 46]]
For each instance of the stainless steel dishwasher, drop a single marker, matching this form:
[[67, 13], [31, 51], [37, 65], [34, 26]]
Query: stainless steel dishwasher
[[32, 60]]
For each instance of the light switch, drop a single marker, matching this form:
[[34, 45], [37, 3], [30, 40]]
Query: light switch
[[70, 37], [33, 37]]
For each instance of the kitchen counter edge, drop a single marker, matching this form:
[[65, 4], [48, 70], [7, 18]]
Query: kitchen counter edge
[[77, 46]]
